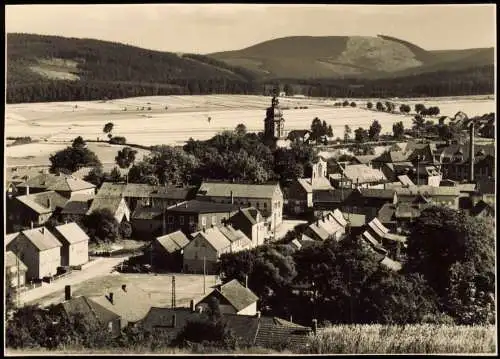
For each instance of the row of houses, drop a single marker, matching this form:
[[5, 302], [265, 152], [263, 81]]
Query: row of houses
[[128, 305], [38, 253]]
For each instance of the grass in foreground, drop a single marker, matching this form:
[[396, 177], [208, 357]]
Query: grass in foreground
[[409, 339]]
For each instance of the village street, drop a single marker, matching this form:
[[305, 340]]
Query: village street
[[98, 267]]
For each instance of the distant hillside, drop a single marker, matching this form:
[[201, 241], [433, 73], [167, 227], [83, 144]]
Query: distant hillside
[[51, 68], [307, 57]]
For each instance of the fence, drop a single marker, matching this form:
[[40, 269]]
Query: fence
[[27, 287]]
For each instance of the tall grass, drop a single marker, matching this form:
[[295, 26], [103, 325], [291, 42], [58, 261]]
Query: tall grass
[[409, 339]]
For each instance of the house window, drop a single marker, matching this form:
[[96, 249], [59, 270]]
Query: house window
[[171, 219], [265, 205], [181, 220], [203, 220]]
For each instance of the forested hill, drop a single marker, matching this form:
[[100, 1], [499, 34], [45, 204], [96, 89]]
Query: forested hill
[[51, 68]]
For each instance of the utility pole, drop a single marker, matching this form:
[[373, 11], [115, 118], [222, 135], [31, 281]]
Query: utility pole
[[173, 291], [204, 276]]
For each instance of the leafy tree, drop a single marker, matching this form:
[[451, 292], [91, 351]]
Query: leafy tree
[[347, 133], [102, 225], [442, 237], [419, 108], [360, 135], [353, 104], [72, 158], [389, 106], [380, 106], [404, 108], [369, 105], [214, 309], [95, 176], [142, 172], [125, 157], [418, 123], [125, 229], [398, 130], [117, 140], [115, 175], [374, 131], [78, 142], [329, 131], [317, 129], [241, 130], [345, 103], [108, 128]]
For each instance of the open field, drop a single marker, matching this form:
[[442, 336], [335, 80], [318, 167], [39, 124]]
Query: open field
[[187, 116], [37, 154], [159, 287], [409, 339]]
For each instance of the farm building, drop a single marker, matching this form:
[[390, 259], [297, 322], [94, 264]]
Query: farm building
[[35, 209], [194, 215], [116, 205], [75, 244], [15, 270], [168, 250], [267, 198], [129, 302], [204, 251], [250, 221], [299, 136], [39, 250], [358, 176], [233, 298]]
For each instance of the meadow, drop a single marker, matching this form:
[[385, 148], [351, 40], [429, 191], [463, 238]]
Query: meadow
[[187, 116], [409, 339]]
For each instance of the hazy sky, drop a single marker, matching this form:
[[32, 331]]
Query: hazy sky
[[219, 27]]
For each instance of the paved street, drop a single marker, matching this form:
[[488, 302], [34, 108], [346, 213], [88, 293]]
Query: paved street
[[99, 267]]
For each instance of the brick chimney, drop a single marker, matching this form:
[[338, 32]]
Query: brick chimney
[[471, 152], [67, 292]]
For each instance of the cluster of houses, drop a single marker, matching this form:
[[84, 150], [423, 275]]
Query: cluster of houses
[[129, 305]]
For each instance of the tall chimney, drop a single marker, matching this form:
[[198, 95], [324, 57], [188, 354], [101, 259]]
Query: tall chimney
[[232, 198], [67, 292], [471, 152], [192, 305], [111, 297], [27, 190], [174, 321], [315, 325]]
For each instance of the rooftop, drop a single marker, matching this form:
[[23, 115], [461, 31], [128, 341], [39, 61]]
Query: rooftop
[[71, 233], [197, 206], [57, 182], [222, 189], [173, 242], [321, 183], [147, 213], [89, 308], [43, 202], [110, 203], [236, 294], [363, 174], [41, 238]]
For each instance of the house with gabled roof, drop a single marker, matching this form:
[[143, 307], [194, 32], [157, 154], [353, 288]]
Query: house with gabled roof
[[251, 222], [65, 185], [267, 198], [76, 207], [329, 225], [207, 245], [358, 176], [445, 196], [148, 222], [16, 270], [40, 250], [92, 312], [129, 302], [35, 209], [116, 205], [233, 298], [75, 244], [168, 250]]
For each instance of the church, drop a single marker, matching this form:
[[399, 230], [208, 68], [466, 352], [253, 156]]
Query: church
[[274, 126]]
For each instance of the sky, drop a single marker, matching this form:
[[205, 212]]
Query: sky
[[206, 28]]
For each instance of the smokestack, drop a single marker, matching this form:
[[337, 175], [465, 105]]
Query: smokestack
[[111, 297], [315, 325], [27, 190], [174, 321], [67, 292], [192, 305], [471, 151], [232, 198]]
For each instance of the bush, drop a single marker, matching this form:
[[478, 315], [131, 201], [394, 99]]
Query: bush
[[125, 229], [118, 140]]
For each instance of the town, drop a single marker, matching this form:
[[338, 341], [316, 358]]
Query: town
[[212, 231]]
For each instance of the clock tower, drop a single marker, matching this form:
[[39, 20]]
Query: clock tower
[[274, 123]]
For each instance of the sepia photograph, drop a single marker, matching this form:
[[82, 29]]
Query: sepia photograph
[[250, 179]]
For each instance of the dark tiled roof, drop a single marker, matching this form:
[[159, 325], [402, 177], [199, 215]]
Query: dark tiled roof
[[196, 206], [90, 309], [57, 182], [386, 213], [333, 196], [363, 174], [238, 295], [162, 318], [391, 157], [39, 202], [76, 207], [147, 213], [278, 333], [42, 238], [480, 207], [252, 215], [377, 193], [111, 203]]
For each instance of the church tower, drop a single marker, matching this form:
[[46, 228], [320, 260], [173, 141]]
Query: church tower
[[274, 124]]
